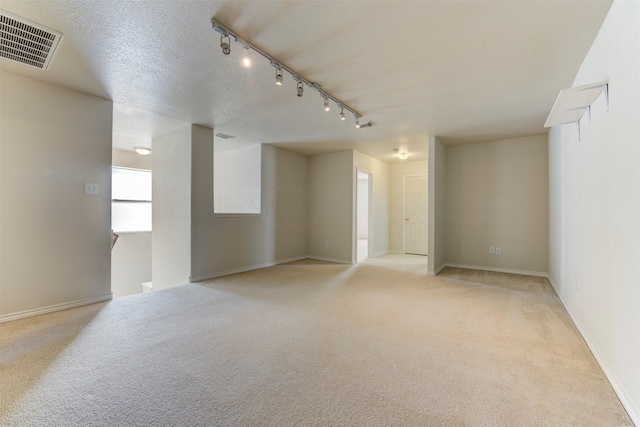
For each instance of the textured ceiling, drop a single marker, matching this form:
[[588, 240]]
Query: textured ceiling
[[464, 71]]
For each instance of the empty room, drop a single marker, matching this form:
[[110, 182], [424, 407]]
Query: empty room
[[284, 213]]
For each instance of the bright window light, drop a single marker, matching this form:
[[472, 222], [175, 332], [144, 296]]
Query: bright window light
[[131, 200]]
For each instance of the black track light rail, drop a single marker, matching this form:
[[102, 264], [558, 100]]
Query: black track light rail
[[226, 32]]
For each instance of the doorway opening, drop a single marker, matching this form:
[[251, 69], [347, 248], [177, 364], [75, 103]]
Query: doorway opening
[[363, 216], [131, 223], [415, 214]]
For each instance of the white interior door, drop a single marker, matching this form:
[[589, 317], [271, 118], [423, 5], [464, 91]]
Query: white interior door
[[415, 214]]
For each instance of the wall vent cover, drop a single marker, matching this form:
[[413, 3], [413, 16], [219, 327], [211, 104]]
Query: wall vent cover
[[224, 135], [27, 42]]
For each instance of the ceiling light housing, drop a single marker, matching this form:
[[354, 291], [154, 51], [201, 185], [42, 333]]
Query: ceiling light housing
[[143, 151], [403, 155]]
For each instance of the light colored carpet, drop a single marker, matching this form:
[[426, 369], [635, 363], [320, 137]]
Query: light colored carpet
[[311, 343]]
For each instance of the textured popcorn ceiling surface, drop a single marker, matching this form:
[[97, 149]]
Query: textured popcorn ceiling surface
[[463, 71]]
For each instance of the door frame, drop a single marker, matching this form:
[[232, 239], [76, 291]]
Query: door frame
[[369, 215], [404, 207]]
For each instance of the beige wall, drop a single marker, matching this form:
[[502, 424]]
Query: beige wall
[[131, 160], [497, 195], [331, 182], [379, 172], [594, 260], [237, 180], [56, 240], [226, 243], [171, 194], [436, 209], [397, 172]]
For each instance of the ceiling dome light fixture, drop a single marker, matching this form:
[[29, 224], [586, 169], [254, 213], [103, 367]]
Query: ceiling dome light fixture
[[403, 155], [225, 38], [246, 57], [143, 151], [224, 43]]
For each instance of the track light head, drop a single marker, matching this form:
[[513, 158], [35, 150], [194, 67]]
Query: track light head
[[357, 122], [246, 58], [224, 44], [342, 116], [326, 104], [300, 89], [279, 76]]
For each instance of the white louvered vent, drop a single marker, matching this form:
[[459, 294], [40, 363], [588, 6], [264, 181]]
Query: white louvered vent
[[224, 135], [26, 41]]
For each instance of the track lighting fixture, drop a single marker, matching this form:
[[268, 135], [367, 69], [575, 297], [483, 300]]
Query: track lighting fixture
[[224, 43], [225, 39], [246, 57]]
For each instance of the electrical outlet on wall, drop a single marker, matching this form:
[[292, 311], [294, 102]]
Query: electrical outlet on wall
[[91, 188], [498, 251], [492, 250]]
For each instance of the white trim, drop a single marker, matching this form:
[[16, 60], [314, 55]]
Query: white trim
[[50, 309], [627, 403], [500, 270], [336, 260], [244, 269], [235, 215], [370, 209], [437, 270]]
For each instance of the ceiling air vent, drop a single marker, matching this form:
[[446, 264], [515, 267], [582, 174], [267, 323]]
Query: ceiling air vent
[[224, 135], [27, 42]]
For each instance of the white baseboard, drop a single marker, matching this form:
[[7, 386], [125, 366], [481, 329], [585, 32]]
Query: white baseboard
[[378, 254], [437, 270], [628, 404], [499, 270], [50, 309], [244, 269], [336, 260]]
